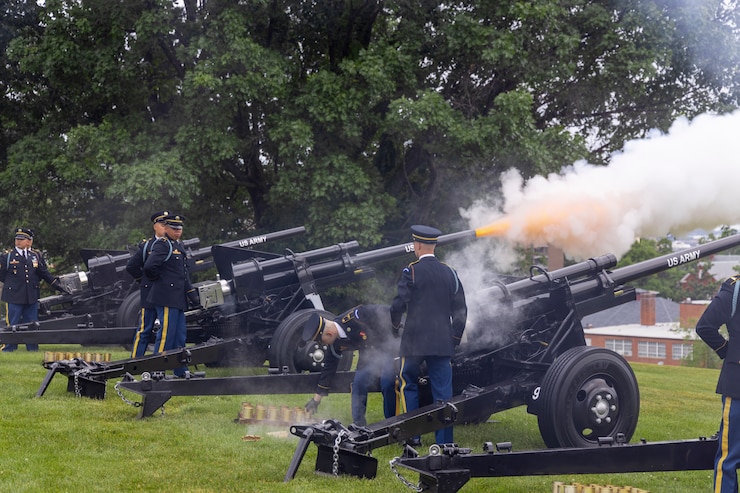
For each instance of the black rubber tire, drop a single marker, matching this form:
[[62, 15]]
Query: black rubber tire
[[289, 353], [128, 313], [588, 393]]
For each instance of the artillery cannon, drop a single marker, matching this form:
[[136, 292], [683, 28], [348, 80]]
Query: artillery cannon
[[526, 347], [95, 297], [104, 295], [253, 312]]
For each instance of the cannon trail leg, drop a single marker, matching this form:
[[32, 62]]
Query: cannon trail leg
[[300, 452], [152, 401], [47, 379]]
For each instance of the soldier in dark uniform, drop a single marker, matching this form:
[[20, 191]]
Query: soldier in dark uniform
[[171, 289], [432, 296], [135, 267], [367, 329], [723, 311], [21, 271]]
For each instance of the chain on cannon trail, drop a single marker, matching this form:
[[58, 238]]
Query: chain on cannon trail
[[393, 463], [128, 401], [335, 449], [83, 372], [125, 399]]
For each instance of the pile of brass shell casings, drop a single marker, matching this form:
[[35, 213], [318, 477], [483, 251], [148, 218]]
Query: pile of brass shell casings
[[560, 487], [51, 357], [271, 415]]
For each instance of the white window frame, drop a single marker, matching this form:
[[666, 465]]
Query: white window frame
[[651, 349], [619, 346]]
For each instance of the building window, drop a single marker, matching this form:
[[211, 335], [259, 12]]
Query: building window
[[682, 351], [651, 349], [620, 346], [588, 341]]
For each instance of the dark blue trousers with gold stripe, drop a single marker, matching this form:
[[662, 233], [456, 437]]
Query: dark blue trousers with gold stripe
[[440, 380], [147, 317], [728, 453], [172, 333]]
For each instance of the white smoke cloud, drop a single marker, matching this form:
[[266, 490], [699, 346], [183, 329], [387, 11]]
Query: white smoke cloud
[[669, 182]]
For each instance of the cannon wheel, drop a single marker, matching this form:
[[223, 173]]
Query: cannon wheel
[[128, 312], [586, 394], [288, 351]]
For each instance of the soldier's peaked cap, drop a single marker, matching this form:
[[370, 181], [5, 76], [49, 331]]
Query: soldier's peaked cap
[[23, 234], [313, 327], [159, 216], [424, 234], [174, 221]]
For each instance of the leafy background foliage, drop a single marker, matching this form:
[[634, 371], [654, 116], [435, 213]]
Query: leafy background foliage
[[355, 119]]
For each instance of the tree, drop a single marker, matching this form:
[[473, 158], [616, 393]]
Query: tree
[[102, 149], [355, 118], [18, 18]]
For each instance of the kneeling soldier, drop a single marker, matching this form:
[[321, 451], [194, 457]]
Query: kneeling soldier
[[367, 329]]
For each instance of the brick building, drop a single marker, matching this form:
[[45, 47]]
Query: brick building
[[663, 343]]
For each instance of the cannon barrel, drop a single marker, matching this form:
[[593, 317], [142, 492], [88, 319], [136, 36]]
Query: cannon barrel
[[322, 268], [590, 277], [109, 267], [119, 259], [386, 253], [250, 242], [659, 264], [646, 268]]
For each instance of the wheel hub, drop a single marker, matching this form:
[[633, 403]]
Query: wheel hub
[[309, 357], [602, 408], [317, 355], [599, 403]]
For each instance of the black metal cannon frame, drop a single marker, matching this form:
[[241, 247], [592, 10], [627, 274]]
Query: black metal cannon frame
[[448, 468], [256, 309], [582, 396], [586, 399], [105, 296]]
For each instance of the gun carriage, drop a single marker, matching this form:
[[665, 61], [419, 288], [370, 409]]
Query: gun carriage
[[104, 295], [254, 311], [583, 396]]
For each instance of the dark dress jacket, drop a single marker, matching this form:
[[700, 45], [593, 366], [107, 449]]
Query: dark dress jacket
[[718, 313], [166, 266], [22, 276], [432, 294], [135, 268]]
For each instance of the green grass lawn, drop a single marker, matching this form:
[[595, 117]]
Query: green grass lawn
[[62, 443]]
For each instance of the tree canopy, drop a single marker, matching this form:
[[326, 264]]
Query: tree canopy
[[353, 118]]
